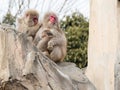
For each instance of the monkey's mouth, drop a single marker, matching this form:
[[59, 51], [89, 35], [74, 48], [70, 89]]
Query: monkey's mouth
[[35, 20]]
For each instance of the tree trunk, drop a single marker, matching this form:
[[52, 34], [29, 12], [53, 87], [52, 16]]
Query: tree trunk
[[24, 67]]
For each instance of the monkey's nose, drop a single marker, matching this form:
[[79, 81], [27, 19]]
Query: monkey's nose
[[52, 20]]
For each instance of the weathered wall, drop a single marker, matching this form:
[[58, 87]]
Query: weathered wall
[[103, 40], [117, 63]]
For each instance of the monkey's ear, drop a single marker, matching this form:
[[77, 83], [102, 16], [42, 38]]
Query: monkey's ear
[[19, 20]]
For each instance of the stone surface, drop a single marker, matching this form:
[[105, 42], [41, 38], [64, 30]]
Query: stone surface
[[77, 75], [117, 63], [24, 67]]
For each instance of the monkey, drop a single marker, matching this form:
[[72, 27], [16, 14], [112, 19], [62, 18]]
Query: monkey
[[29, 23], [42, 45], [58, 43]]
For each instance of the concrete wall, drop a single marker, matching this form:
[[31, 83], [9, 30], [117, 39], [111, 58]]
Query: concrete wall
[[117, 63], [103, 43]]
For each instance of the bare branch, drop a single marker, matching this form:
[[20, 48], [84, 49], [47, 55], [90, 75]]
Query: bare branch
[[49, 6], [28, 4], [63, 6], [9, 6], [36, 4], [20, 4], [68, 7], [55, 5], [42, 5]]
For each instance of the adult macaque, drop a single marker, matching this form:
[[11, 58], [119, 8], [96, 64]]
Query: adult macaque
[[57, 44], [29, 23]]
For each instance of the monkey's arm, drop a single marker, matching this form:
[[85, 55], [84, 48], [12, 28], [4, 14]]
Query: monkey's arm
[[36, 40], [57, 41], [33, 30]]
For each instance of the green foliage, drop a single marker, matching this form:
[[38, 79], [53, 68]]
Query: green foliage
[[9, 19], [76, 29]]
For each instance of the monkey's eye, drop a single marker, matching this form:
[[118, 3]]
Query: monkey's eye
[[35, 16], [26, 15]]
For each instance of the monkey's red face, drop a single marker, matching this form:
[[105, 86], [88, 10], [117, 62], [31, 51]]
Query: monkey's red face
[[52, 19], [32, 20], [35, 20]]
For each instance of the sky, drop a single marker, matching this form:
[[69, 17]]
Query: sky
[[48, 5]]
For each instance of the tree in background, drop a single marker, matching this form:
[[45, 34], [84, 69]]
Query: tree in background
[[9, 19], [76, 29]]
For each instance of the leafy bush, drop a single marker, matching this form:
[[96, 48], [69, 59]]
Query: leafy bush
[[9, 19], [76, 29]]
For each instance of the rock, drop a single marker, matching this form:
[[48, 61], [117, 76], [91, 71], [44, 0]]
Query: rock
[[24, 67]]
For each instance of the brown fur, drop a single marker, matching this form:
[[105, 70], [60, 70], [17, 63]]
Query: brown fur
[[58, 43], [27, 25], [46, 36]]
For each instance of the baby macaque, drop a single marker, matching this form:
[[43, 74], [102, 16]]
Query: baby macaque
[[43, 43], [29, 23], [57, 45]]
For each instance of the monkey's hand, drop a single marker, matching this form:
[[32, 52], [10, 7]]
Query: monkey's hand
[[50, 45]]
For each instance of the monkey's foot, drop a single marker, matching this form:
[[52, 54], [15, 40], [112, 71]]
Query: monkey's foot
[[50, 45], [46, 53], [50, 48]]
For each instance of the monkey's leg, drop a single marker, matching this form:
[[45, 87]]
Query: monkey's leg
[[36, 40], [56, 55], [46, 53], [42, 45]]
